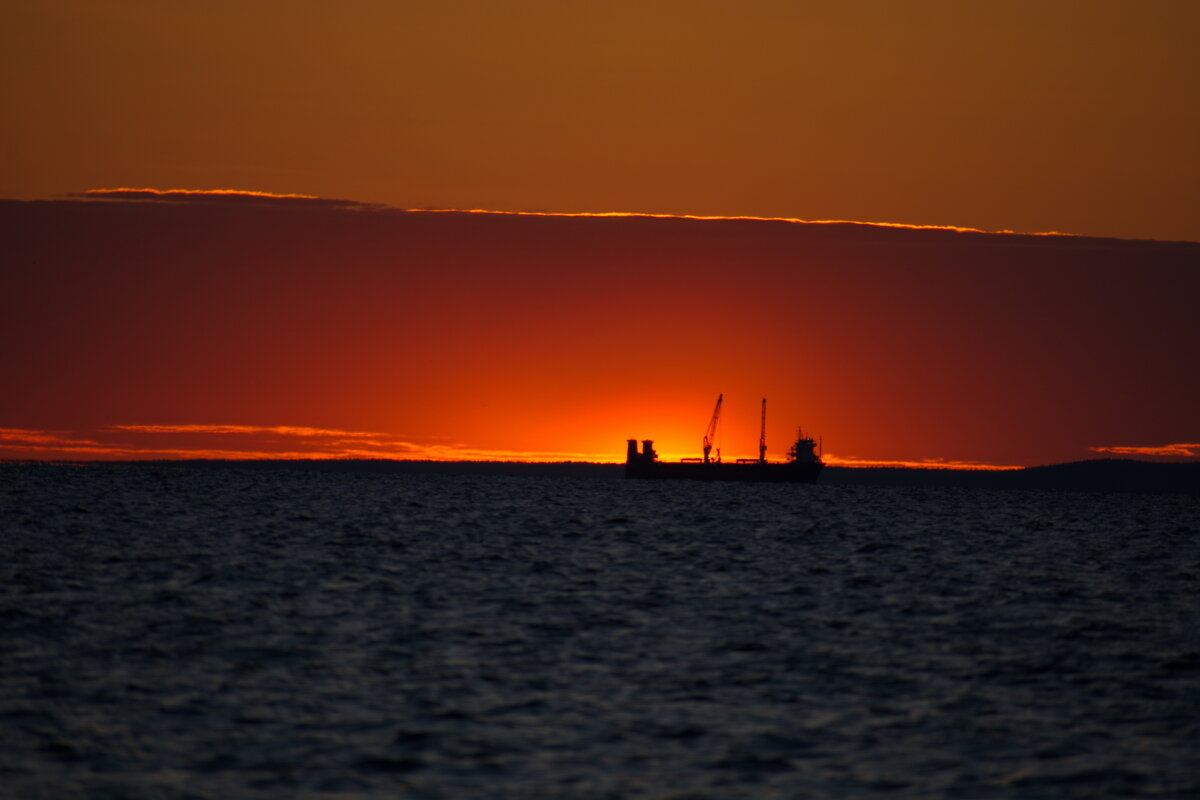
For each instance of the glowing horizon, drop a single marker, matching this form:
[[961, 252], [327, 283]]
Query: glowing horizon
[[318, 443], [310, 443], [550, 247], [246, 329]]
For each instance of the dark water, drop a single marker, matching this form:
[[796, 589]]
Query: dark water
[[175, 632]]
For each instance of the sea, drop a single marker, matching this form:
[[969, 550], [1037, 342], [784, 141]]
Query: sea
[[233, 632]]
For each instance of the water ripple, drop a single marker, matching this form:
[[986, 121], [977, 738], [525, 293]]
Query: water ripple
[[175, 632]]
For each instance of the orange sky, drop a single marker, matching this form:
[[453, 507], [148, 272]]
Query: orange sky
[[1021, 115], [315, 317], [245, 326]]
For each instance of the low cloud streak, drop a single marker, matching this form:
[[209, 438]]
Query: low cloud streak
[[35, 439], [1174, 450], [281, 430], [729, 218], [217, 196], [836, 461], [283, 442]]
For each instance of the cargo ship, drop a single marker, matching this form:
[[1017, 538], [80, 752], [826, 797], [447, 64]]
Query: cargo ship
[[803, 465]]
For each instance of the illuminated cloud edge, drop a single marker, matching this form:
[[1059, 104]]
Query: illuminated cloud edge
[[218, 197], [285, 442], [733, 218], [275, 442], [1174, 450], [256, 197]]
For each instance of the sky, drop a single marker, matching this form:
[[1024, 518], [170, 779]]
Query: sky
[[1078, 116], [148, 325], [312, 310]]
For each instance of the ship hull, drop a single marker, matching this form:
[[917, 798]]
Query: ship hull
[[795, 472]]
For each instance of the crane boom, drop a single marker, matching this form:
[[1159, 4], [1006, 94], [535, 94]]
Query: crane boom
[[762, 435], [710, 435]]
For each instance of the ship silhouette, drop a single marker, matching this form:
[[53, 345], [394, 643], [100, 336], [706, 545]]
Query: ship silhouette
[[803, 465]]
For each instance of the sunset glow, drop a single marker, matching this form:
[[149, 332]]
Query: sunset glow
[[242, 442], [308, 330], [533, 230], [748, 399]]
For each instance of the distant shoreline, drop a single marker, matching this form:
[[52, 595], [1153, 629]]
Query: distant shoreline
[[1092, 475]]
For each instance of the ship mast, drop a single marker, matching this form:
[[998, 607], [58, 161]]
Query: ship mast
[[762, 435], [710, 435]]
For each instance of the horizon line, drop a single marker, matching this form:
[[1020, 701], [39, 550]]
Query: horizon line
[[284, 458], [241, 442]]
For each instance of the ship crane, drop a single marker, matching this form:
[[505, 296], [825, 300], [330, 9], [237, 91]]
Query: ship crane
[[710, 435], [762, 435]]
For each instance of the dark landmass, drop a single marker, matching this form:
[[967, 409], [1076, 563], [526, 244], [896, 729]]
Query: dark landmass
[[1097, 475]]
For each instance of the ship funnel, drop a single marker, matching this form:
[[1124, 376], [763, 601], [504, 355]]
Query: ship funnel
[[648, 450], [631, 451]]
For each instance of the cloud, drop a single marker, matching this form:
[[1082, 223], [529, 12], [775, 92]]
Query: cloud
[[269, 441], [219, 197], [1177, 450], [36, 439], [251, 197], [281, 430], [928, 463], [245, 442], [712, 218], [302, 442]]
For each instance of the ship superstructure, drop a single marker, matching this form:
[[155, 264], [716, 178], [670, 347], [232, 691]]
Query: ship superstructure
[[803, 465]]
